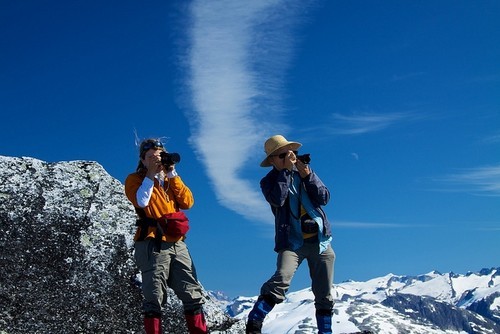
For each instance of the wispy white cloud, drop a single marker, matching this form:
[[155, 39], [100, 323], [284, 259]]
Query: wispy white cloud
[[368, 225], [480, 181], [238, 52], [489, 229], [360, 123], [493, 139], [342, 224]]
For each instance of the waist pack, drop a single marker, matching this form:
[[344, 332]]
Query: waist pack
[[308, 225], [175, 224]]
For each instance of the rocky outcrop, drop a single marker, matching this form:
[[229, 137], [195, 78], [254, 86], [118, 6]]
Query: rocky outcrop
[[66, 253]]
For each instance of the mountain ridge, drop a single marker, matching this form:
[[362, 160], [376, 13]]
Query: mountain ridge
[[427, 303]]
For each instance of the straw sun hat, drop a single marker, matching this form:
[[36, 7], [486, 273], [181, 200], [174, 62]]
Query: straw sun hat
[[275, 143]]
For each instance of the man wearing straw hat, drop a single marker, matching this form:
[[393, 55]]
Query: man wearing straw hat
[[302, 231]]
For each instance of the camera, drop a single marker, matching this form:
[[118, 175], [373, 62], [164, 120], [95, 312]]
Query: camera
[[305, 158], [169, 159]]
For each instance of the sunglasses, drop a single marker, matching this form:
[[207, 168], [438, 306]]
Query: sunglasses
[[283, 155], [150, 145]]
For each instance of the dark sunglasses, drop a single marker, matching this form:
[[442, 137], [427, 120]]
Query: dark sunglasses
[[283, 155], [150, 145]]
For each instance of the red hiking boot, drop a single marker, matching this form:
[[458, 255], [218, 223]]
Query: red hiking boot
[[195, 321]]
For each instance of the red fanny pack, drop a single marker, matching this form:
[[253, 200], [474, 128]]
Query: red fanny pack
[[175, 224]]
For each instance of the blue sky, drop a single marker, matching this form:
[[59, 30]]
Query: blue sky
[[398, 103]]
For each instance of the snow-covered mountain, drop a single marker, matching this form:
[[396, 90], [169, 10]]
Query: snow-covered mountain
[[393, 304]]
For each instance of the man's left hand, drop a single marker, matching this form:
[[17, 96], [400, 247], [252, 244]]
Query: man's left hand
[[302, 168]]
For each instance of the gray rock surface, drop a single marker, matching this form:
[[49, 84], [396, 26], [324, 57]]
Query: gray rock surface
[[66, 253]]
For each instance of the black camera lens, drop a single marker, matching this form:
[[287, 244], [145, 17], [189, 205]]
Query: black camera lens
[[305, 158], [169, 159]]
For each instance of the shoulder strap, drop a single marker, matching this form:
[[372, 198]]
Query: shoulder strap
[[299, 199]]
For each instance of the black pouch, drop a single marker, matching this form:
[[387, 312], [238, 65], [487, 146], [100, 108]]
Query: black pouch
[[308, 225]]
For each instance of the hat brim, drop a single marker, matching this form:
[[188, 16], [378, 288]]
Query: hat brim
[[293, 146]]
